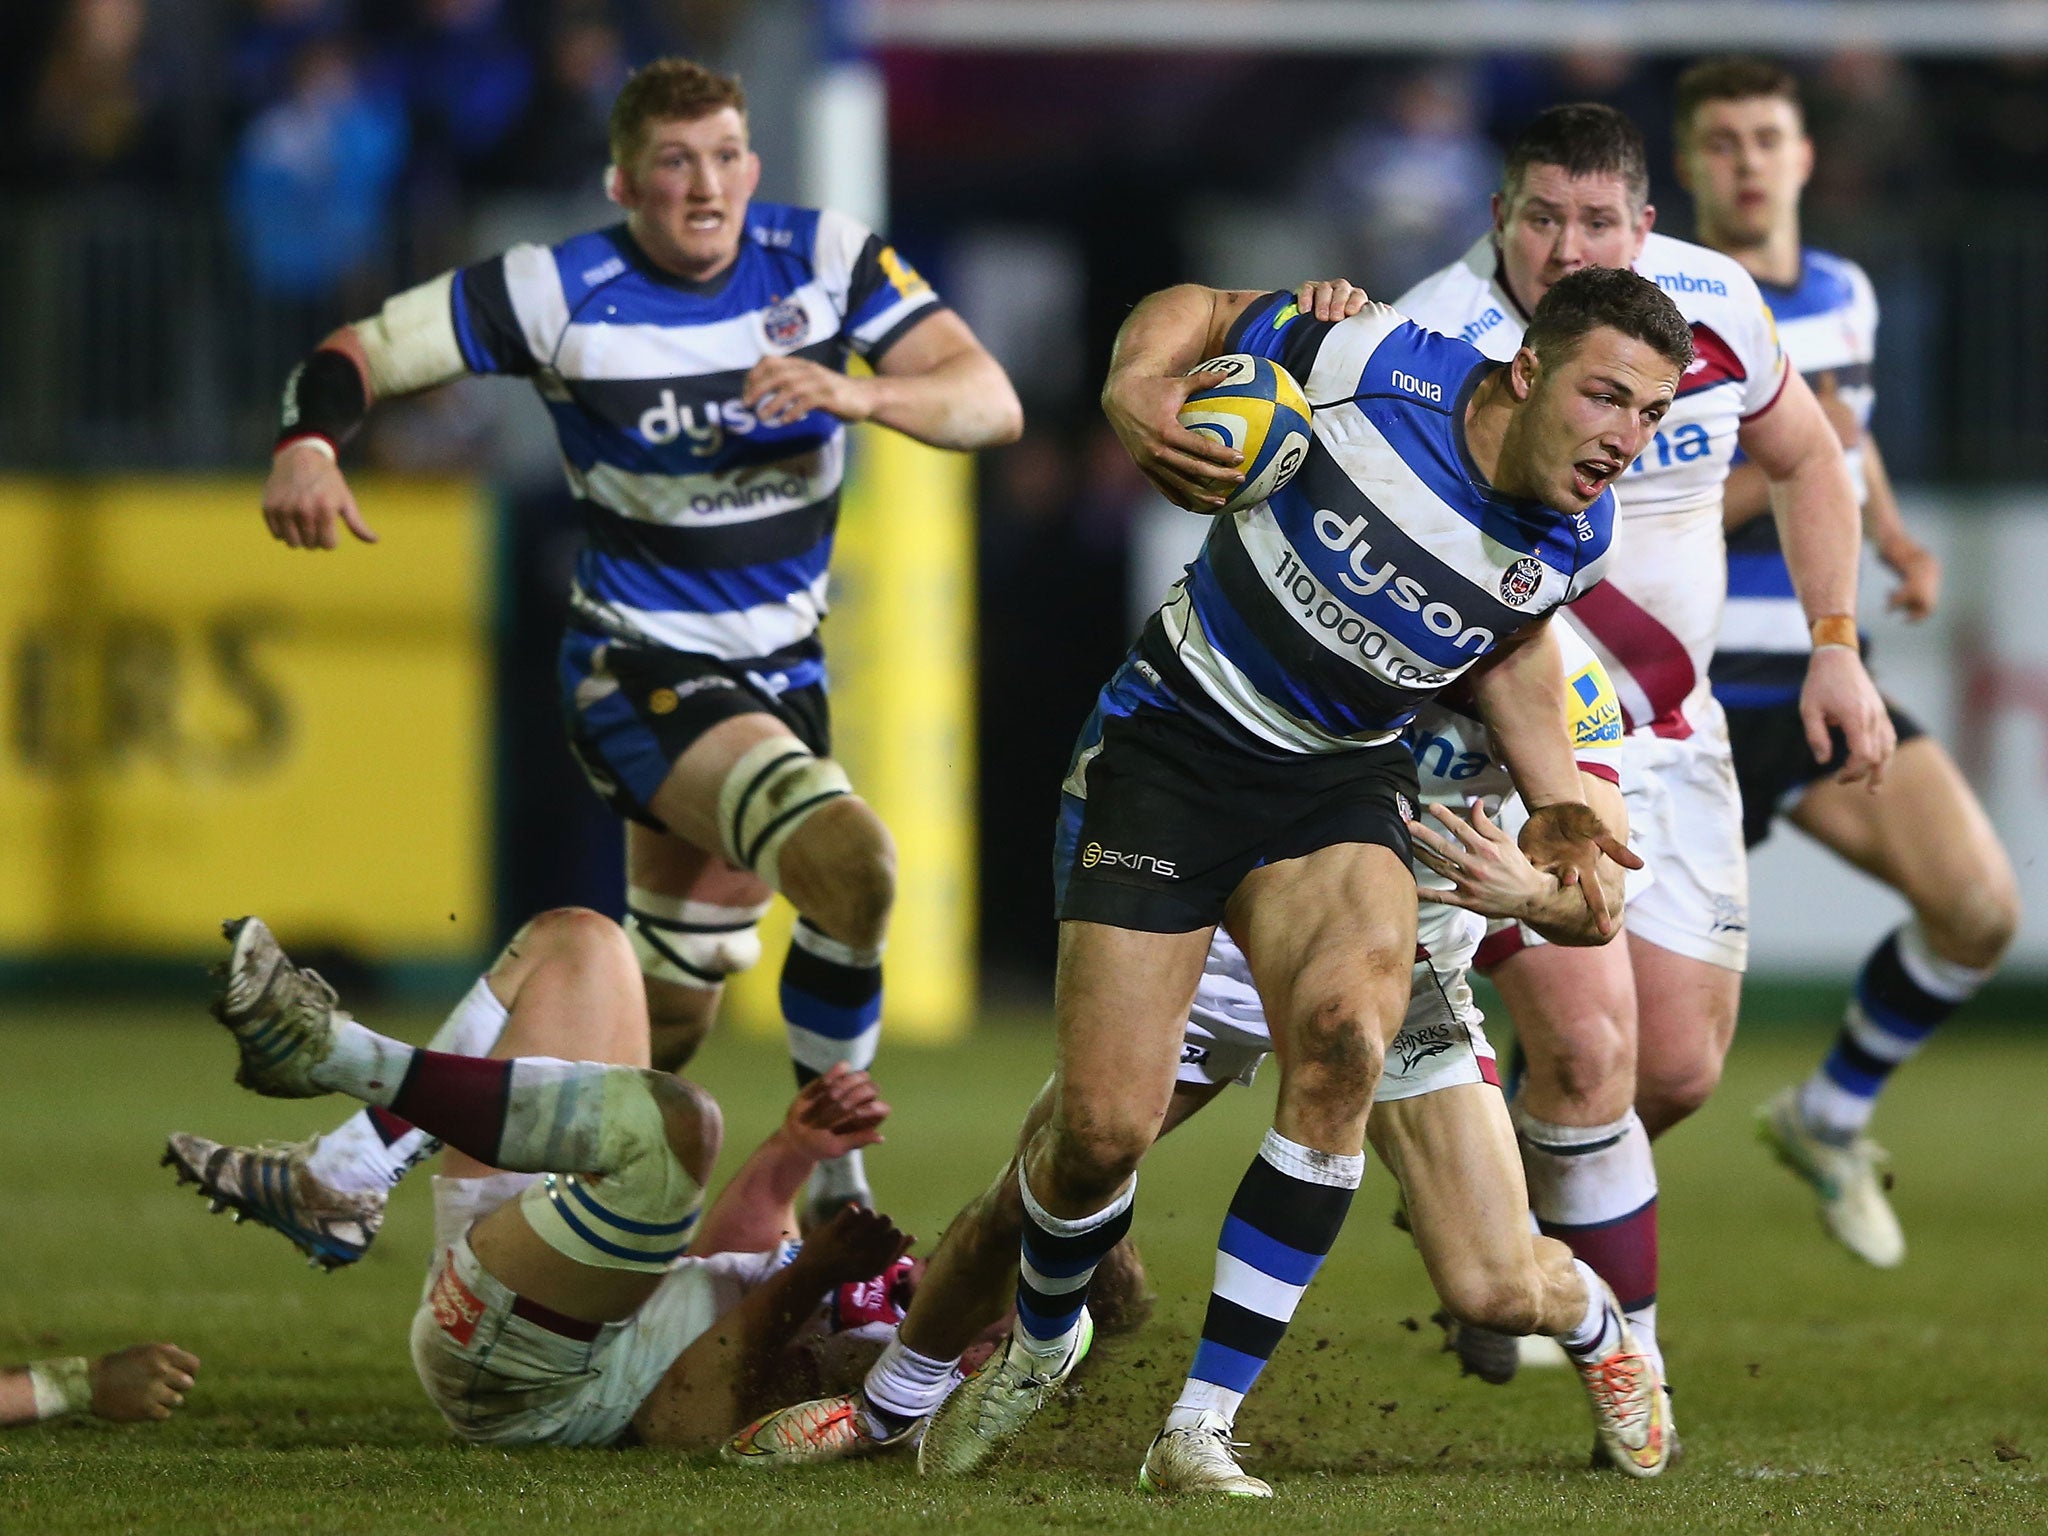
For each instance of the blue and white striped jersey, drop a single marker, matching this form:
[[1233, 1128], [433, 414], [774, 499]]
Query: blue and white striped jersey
[[1321, 619], [708, 532], [1827, 322]]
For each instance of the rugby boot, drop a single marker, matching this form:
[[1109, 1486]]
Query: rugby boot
[[1492, 1357], [1201, 1459], [1631, 1426], [281, 1015], [990, 1408], [824, 1429], [1850, 1177], [273, 1187]]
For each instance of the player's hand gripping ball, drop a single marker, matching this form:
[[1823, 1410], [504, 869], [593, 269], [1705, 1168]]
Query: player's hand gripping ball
[[1261, 412]]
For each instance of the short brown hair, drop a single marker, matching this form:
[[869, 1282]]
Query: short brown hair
[[1581, 139], [668, 90], [1733, 79], [1581, 302]]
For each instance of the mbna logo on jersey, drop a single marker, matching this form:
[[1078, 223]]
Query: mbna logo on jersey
[[1518, 583], [785, 322]]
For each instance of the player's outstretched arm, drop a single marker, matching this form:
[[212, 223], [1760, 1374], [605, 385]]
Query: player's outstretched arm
[[1795, 444], [142, 1382], [830, 1116], [1166, 335], [937, 384], [1520, 697], [408, 346], [1491, 875]]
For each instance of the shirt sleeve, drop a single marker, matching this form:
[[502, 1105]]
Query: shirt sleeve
[[881, 297], [1272, 326], [488, 299], [1756, 344]]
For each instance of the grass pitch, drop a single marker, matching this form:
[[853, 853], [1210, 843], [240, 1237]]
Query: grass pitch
[[1814, 1394]]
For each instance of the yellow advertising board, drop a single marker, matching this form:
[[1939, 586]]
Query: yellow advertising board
[[203, 723], [901, 641]]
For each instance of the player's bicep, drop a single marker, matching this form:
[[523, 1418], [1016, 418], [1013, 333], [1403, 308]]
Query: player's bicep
[[412, 343], [935, 338], [1791, 433]]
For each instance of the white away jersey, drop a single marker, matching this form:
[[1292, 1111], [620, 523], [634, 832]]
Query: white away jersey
[[708, 531], [1656, 619], [1324, 617]]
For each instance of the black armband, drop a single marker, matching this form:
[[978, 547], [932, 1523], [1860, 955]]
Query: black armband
[[323, 398]]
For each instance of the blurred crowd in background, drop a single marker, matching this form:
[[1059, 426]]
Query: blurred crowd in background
[[317, 154]]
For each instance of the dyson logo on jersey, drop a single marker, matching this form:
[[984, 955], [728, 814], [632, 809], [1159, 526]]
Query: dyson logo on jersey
[[704, 425], [1348, 539]]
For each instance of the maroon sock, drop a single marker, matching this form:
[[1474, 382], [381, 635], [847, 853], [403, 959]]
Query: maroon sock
[[461, 1099], [1621, 1252], [387, 1125]]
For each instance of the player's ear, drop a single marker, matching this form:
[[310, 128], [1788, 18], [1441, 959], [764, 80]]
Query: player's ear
[[1523, 372], [1645, 222], [1500, 212], [1805, 160], [753, 173], [618, 187]]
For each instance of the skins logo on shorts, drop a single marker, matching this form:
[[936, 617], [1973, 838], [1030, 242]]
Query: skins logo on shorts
[[456, 1307], [662, 701], [1518, 583], [785, 323], [1094, 854]]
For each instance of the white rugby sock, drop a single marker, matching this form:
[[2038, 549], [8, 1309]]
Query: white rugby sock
[[373, 1149], [904, 1386], [1599, 1331]]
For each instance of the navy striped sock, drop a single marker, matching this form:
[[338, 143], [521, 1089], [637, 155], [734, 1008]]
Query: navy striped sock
[[831, 1002], [1902, 995], [1285, 1217], [1058, 1261]]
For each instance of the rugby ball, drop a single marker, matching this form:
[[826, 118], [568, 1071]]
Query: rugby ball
[[1261, 412]]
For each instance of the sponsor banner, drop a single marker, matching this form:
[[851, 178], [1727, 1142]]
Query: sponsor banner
[[901, 645], [203, 723]]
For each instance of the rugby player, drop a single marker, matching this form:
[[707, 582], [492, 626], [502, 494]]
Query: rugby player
[[125, 1386], [574, 1289], [1438, 1120], [1622, 1042], [693, 359], [1744, 156], [1245, 766]]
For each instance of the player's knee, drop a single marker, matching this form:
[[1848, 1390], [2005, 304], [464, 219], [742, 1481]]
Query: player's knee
[[686, 947], [1505, 1300], [1670, 1092], [1593, 1065], [849, 888], [1973, 927], [1094, 1155], [691, 1121], [1337, 1048], [573, 932]]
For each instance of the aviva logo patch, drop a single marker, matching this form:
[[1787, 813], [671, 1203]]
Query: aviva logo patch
[[1596, 712]]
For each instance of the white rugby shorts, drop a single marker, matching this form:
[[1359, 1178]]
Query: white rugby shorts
[[1685, 822], [505, 1372], [1441, 1043]]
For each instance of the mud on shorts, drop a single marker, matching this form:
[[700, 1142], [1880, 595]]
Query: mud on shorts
[[632, 710], [1441, 1043], [506, 1371], [1162, 815]]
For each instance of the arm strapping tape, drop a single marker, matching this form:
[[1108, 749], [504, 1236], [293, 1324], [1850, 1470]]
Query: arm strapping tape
[[62, 1387], [408, 345]]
